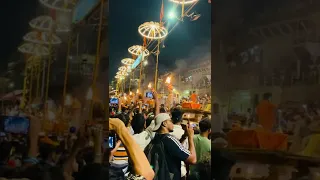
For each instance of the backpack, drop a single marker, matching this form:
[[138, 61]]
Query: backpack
[[156, 156]]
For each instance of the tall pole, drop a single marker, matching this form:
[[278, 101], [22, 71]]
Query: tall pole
[[97, 62], [157, 63], [48, 75], [140, 78], [182, 9], [130, 77], [66, 72]]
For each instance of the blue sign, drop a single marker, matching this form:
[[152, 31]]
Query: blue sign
[[137, 61], [83, 8]]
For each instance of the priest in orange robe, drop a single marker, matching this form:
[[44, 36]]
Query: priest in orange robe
[[266, 112]]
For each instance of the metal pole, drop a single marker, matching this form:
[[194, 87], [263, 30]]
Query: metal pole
[[48, 76], [140, 78], [157, 63], [31, 83], [66, 72], [43, 79], [97, 62], [38, 79], [182, 10]]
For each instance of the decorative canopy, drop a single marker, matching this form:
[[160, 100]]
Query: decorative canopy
[[137, 50], [46, 23], [59, 5], [183, 1], [34, 49], [119, 77], [152, 30], [127, 61], [33, 61], [42, 38], [124, 69], [121, 73]]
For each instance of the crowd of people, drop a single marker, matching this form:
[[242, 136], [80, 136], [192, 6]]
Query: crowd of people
[[150, 143]]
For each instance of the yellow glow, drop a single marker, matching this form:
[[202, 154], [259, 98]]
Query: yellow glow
[[183, 1], [130, 93], [89, 94], [122, 74], [45, 38], [68, 101], [168, 80], [149, 86], [127, 61], [152, 30], [123, 69], [51, 116], [34, 49], [137, 50], [137, 91]]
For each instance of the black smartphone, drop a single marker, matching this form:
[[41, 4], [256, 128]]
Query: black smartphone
[[114, 101], [112, 141], [149, 95], [15, 124]]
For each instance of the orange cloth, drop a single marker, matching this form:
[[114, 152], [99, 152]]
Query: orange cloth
[[47, 140], [266, 112], [191, 105], [258, 139], [193, 98]]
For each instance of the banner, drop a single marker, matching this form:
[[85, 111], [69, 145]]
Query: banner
[[82, 9], [137, 61]]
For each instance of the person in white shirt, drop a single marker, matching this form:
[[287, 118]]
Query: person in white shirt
[[142, 135], [178, 133]]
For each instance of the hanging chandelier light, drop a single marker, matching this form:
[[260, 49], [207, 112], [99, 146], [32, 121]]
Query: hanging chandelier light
[[136, 50], [152, 30]]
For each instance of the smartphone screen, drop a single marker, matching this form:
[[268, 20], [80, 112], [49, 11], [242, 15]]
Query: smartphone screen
[[149, 95], [114, 101], [112, 141], [15, 124]]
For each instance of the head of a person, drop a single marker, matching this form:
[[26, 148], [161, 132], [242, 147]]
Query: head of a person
[[176, 116], [124, 110], [93, 172], [38, 172], [163, 110], [163, 123], [267, 96], [123, 118], [205, 125], [50, 153], [145, 113], [249, 110], [5, 151], [194, 92], [138, 123]]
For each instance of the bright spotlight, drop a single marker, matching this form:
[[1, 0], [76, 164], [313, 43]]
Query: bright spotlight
[[172, 15], [145, 63]]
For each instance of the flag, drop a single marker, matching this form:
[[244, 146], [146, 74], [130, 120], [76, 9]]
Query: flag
[[161, 12], [144, 42]]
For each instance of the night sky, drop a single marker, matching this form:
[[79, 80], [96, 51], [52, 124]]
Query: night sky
[[15, 15], [126, 16]]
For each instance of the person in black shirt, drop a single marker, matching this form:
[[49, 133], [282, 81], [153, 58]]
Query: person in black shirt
[[174, 151]]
